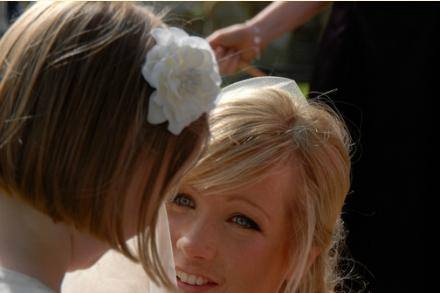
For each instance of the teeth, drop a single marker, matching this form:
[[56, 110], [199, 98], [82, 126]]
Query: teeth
[[191, 279]]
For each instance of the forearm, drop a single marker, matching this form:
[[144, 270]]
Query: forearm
[[281, 17]]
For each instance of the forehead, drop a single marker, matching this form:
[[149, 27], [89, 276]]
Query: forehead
[[279, 182]]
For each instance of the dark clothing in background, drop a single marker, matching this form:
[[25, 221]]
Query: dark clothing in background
[[9, 12], [383, 59]]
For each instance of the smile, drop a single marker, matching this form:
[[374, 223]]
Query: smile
[[191, 279]]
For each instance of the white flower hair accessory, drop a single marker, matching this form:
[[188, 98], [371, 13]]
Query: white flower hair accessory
[[184, 72]]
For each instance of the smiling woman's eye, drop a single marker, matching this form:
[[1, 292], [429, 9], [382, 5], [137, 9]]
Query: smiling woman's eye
[[184, 200], [245, 222]]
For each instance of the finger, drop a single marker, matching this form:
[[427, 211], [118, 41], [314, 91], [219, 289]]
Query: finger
[[232, 61], [224, 65], [233, 65], [224, 61], [219, 53], [215, 38]]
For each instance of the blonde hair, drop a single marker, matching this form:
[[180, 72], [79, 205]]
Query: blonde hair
[[73, 129], [253, 131]]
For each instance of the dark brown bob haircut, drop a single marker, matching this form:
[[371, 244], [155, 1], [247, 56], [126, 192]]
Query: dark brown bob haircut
[[73, 122]]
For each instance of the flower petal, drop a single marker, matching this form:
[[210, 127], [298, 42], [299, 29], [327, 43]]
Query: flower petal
[[161, 35], [155, 111], [175, 128], [178, 34], [184, 71]]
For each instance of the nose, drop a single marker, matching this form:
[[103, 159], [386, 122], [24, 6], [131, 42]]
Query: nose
[[198, 242]]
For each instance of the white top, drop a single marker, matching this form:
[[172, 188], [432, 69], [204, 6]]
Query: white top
[[15, 282]]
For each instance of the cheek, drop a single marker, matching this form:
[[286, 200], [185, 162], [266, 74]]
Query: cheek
[[177, 224], [255, 265]]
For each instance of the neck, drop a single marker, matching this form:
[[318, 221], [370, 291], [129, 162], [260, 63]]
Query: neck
[[32, 244]]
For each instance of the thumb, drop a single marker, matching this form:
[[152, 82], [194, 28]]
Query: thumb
[[214, 39], [226, 37]]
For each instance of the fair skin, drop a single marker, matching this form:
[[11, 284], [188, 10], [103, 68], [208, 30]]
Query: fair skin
[[32, 244], [235, 242], [235, 46]]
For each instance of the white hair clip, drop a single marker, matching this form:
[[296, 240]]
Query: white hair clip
[[184, 72]]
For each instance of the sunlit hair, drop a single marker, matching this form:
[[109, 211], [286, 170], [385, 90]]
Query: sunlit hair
[[253, 131], [73, 121]]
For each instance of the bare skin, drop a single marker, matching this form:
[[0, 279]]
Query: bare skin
[[235, 46], [31, 243], [216, 236]]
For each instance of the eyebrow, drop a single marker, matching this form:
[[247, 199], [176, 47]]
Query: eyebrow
[[237, 197], [229, 197]]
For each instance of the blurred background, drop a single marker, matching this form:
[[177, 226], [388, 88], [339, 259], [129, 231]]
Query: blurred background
[[10, 10], [291, 55]]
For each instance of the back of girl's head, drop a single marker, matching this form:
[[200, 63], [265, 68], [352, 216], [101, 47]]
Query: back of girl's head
[[255, 130], [73, 119]]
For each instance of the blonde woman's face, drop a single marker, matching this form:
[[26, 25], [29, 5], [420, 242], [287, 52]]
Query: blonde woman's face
[[233, 242]]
